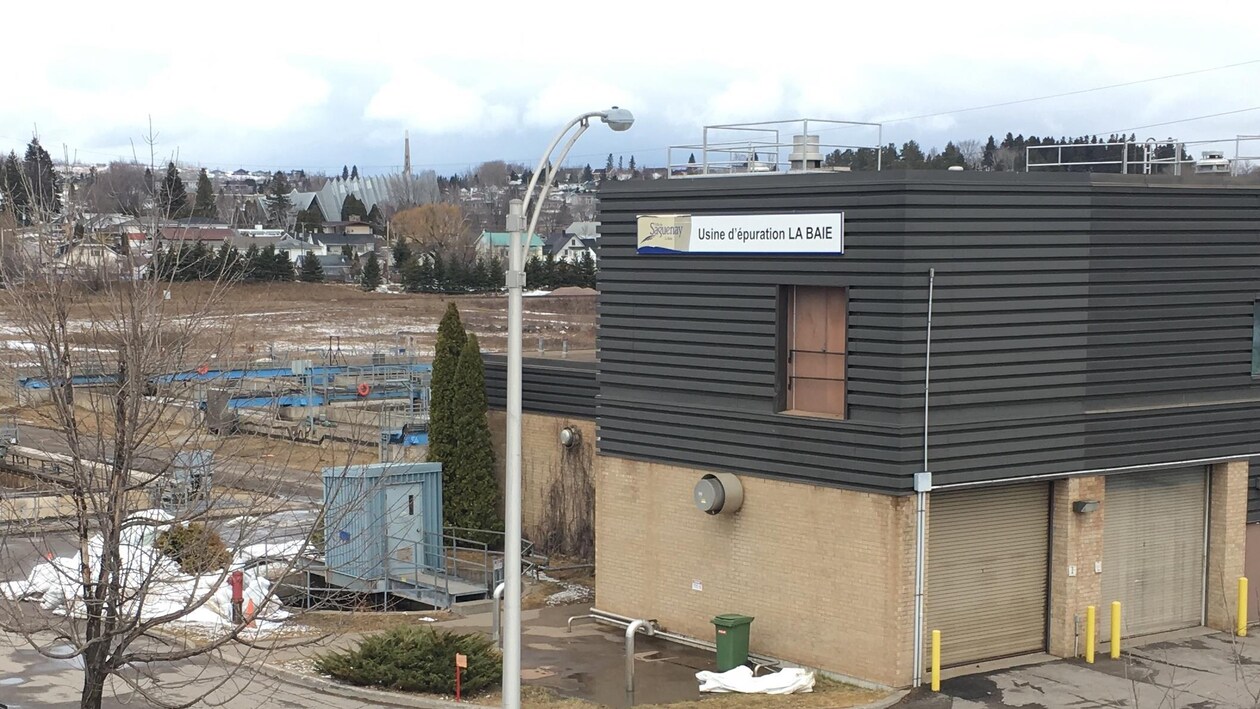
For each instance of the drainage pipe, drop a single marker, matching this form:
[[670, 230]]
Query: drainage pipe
[[922, 486], [635, 626], [495, 610]]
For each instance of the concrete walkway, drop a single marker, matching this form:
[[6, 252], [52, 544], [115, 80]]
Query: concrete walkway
[[1193, 670]]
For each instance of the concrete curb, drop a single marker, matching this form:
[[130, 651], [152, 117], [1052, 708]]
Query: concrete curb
[[886, 702], [363, 694]]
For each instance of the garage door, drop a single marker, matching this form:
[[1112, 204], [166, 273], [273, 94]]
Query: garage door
[[1153, 526], [987, 566]]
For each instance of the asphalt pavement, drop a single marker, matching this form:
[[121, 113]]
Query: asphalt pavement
[[1190, 670]]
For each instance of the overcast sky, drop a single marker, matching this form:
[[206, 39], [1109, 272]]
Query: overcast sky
[[319, 84]]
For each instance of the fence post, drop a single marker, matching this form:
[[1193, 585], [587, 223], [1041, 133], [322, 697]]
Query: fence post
[[1115, 630], [1091, 620], [1242, 606], [936, 660]]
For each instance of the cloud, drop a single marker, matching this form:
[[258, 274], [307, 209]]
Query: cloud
[[569, 96], [423, 100]]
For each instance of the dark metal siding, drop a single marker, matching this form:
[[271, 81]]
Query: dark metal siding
[[1080, 323], [548, 386]]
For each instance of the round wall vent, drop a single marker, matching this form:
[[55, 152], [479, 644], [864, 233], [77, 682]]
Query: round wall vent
[[718, 493]]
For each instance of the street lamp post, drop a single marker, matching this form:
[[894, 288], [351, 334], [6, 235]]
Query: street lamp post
[[618, 119]]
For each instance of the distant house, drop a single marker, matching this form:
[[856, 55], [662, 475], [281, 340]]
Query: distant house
[[569, 248], [337, 268], [260, 230], [175, 236], [586, 230], [351, 227], [359, 244], [295, 248], [495, 243], [92, 259]]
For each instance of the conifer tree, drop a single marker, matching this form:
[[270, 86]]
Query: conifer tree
[[312, 269], [371, 277], [278, 202], [474, 493], [282, 268], [172, 197], [443, 439], [204, 205], [43, 184]]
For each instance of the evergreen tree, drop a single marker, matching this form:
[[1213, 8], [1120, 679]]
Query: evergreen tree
[[172, 197], [691, 159], [278, 202], [990, 153], [621, 163], [354, 172], [587, 175], [227, 263], [13, 194], [402, 254], [312, 269], [204, 204], [443, 437], [371, 277], [353, 208], [608, 166], [474, 494], [283, 268], [631, 163], [42, 183], [345, 172], [309, 220], [347, 252], [587, 268]]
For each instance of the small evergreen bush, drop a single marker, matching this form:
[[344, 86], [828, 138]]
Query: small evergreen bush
[[195, 547], [416, 659]]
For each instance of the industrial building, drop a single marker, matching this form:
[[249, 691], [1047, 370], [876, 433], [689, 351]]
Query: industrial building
[[1090, 418]]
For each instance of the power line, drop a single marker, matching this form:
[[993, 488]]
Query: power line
[[1179, 120], [1077, 92]]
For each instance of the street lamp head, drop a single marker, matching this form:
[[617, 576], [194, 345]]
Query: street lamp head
[[618, 119]]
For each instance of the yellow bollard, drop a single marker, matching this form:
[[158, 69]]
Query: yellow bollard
[[936, 660], [1115, 630], [1091, 621], [1242, 606]]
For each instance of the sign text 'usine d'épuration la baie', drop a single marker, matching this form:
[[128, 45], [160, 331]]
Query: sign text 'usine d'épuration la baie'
[[736, 234]]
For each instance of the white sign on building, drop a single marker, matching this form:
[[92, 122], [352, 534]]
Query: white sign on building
[[742, 234]]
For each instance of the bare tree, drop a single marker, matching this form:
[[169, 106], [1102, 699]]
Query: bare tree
[[438, 229], [121, 188], [108, 367], [972, 152]]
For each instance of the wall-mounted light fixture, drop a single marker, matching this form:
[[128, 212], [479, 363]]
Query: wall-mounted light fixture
[[718, 493], [570, 436], [1085, 507]]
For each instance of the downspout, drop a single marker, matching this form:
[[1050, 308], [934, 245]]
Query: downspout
[[922, 486]]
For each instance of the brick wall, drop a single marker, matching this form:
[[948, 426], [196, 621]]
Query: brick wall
[[827, 573], [1227, 541], [1076, 542], [542, 459]]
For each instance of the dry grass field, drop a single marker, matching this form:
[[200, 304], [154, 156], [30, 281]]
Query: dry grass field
[[285, 319]]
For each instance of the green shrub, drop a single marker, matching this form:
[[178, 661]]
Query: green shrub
[[416, 659], [195, 547]]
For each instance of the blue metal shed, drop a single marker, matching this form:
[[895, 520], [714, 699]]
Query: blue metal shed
[[383, 532]]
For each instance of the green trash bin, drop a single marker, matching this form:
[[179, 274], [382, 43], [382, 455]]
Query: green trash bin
[[732, 640]]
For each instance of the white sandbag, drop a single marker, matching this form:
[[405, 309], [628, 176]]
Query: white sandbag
[[790, 680]]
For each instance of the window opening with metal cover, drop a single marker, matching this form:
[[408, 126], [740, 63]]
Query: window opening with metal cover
[[815, 350]]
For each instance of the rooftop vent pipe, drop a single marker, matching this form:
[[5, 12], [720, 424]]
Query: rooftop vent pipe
[[806, 154]]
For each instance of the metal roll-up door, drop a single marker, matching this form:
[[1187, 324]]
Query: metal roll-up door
[[986, 571], [1153, 550]]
